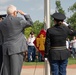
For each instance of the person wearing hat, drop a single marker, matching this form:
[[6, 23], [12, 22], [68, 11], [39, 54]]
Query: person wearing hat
[[1, 41], [55, 45]]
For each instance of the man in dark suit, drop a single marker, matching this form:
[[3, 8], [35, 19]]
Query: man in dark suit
[[14, 40], [1, 41]]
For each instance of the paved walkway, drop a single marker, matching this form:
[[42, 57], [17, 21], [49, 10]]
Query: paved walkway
[[39, 70]]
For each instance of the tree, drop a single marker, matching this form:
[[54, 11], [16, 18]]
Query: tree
[[72, 19], [59, 7], [37, 26], [73, 7], [27, 31]]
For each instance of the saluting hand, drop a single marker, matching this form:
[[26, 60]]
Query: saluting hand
[[21, 12]]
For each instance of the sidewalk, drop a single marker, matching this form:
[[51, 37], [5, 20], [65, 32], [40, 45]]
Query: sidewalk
[[39, 70]]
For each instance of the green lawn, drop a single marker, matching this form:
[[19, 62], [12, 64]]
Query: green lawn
[[70, 61], [33, 63]]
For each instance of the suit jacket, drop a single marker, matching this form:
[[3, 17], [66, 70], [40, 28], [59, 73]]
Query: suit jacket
[[13, 37]]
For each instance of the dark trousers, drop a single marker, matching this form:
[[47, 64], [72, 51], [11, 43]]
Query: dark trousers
[[58, 67], [74, 52], [31, 53], [39, 57]]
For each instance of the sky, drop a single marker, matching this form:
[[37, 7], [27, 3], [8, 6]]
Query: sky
[[35, 7]]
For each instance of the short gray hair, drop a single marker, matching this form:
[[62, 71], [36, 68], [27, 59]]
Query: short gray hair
[[11, 9]]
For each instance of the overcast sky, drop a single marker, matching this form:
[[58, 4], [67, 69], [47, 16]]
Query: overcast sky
[[35, 7]]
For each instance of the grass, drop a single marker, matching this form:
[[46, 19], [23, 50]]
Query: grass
[[32, 63], [70, 62]]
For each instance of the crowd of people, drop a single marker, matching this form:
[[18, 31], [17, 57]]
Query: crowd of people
[[14, 45], [71, 46]]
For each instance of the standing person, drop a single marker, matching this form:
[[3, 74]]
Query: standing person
[[68, 43], [73, 42], [31, 47], [55, 45], [1, 41], [14, 40]]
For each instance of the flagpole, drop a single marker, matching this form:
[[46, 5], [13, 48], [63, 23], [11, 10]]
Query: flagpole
[[46, 26], [47, 14]]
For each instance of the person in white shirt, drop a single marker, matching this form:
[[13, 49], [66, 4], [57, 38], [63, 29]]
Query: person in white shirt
[[31, 47], [68, 43], [73, 42]]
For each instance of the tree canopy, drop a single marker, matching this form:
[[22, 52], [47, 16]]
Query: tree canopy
[[37, 25], [59, 7], [72, 19]]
